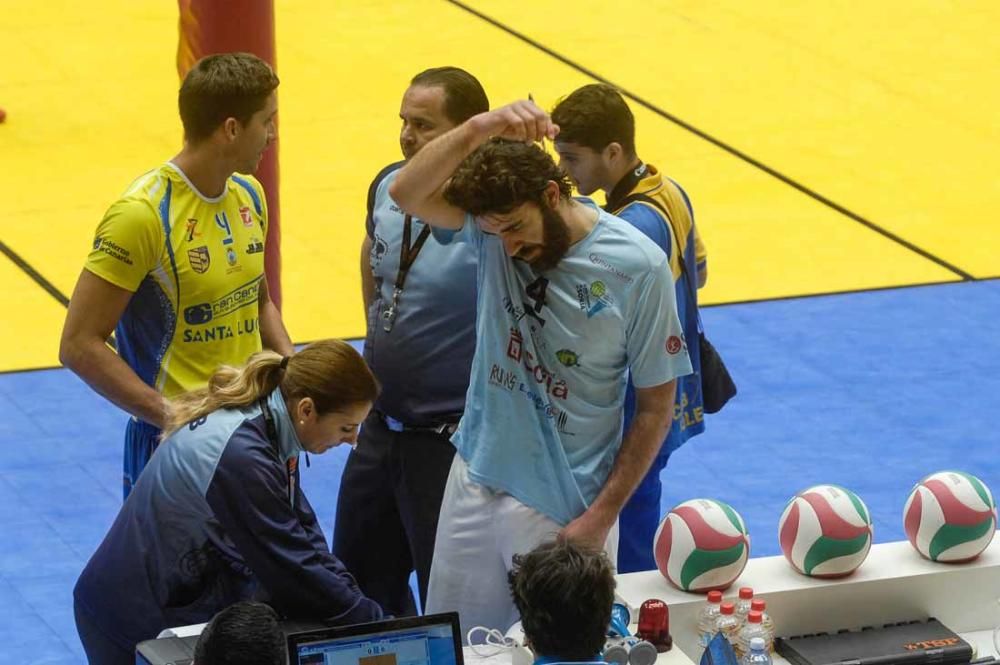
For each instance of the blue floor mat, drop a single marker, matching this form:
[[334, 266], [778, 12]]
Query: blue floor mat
[[871, 391]]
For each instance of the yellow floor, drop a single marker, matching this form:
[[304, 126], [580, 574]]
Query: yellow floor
[[886, 108]]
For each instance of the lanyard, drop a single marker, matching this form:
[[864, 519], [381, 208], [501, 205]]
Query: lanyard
[[624, 187], [407, 255]]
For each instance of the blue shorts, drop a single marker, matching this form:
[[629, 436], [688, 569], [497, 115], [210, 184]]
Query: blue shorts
[[140, 442]]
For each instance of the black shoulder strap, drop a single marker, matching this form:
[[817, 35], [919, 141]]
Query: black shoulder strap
[[373, 189]]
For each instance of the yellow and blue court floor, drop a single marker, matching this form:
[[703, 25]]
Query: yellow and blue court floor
[[842, 158]]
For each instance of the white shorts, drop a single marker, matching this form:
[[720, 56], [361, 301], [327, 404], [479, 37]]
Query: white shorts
[[479, 531]]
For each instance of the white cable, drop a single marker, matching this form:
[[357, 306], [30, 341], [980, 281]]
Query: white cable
[[497, 641]]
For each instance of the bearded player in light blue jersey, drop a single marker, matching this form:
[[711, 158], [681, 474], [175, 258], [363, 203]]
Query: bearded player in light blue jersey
[[570, 299]]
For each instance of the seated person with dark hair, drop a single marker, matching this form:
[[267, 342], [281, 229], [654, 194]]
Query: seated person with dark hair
[[564, 593], [246, 633]]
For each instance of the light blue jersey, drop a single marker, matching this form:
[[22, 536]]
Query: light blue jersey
[[433, 335], [543, 416]]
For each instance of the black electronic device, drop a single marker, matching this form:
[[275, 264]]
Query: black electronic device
[[432, 639], [924, 642]]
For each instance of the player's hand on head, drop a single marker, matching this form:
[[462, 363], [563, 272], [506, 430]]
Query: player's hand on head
[[521, 121]]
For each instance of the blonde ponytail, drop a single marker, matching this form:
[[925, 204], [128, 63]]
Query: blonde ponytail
[[228, 388], [330, 372]]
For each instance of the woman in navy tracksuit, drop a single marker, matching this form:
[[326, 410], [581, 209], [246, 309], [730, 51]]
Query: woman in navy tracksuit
[[218, 515]]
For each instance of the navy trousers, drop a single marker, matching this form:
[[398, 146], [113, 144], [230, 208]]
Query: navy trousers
[[387, 511]]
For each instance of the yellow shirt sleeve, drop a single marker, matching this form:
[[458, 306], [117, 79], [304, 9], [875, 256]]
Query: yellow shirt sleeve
[[128, 244]]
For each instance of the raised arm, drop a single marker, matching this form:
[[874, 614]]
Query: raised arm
[[419, 187]]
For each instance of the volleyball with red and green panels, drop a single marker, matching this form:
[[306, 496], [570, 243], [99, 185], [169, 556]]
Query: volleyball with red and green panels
[[701, 545], [825, 531], [950, 516]]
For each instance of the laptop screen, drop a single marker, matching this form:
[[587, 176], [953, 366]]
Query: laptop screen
[[427, 640]]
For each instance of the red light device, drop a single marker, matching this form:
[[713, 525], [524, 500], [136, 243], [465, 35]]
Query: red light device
[[654, 624]]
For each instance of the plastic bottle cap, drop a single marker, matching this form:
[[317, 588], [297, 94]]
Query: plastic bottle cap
[[728, 608], [755, 617], [758, 604], [746, 593], [715, 596], [757, 643]]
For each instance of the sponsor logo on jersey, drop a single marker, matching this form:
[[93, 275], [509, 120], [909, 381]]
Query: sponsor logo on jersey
[[379, 248], [554, 385], [239, 297], [199, 259], [246, 217], [192, 230], [515, 342], [593, 298], [255, 246], [599, 260], [502, 377], [115, 251], [568, 357], [674, 345]]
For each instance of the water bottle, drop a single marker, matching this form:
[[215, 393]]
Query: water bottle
[[758, 654], [751, 629], [743, 604], [708, 617], [758, 605], [727, 623]]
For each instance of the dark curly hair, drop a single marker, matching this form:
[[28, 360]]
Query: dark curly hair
[[564, 593], [246, 633], [502, 174], [595, 116]]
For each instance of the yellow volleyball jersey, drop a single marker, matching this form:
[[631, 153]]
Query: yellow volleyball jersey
[[194, 265], [670, 195]]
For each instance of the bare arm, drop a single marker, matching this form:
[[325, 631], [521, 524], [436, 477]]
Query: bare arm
[[94, 311], [419, 186], [367, 278], [272, 329], [642, 442], [702, 276]]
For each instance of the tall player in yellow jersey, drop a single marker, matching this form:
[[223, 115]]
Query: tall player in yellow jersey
[[177, 263]]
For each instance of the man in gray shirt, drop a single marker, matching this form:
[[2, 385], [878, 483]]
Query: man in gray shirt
[[420, 305]]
